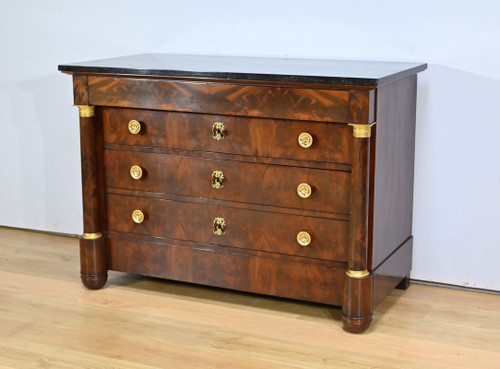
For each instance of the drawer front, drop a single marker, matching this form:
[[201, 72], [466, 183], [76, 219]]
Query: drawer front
[[264, 184], [221, 98], [248, 136], [226, 267], [247, 229]]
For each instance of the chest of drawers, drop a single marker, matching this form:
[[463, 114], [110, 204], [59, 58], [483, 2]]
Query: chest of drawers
[[284, 177]]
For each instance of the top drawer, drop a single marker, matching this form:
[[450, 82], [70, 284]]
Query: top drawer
[[297, 103], [270, 138]]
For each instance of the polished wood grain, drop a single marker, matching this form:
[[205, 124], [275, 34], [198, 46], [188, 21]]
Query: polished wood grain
[[232, 204], [49, 320], [382, 194], [358, 214], [362, 104], [80, 90], [393, 167], [360, 182], [93, 266], [357, 308], [247, 229], [393, 272], [358, 292], [244, 136], [274, 185], [213, 265], [220, 98], [233, 157], [91, 174]]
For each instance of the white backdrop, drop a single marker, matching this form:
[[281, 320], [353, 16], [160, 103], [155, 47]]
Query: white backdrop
[[457, 173]]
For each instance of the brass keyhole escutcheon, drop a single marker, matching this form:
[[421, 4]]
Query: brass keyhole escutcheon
[[138, 216], [219, 226], [134, 127], [303, 238], [136, 172], [217, 179], [218, 131], [305, 140], [304, 190]]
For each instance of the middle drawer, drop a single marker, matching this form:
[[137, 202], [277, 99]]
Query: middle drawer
[[239, 228], [275, 185]]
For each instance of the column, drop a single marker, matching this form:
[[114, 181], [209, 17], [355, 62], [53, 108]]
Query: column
[[93, 272], [358, 287]]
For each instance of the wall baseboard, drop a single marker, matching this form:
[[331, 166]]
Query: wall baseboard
[[42, 231], [454, 287]]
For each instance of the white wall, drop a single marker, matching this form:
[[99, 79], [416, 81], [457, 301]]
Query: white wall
[[457, 175]]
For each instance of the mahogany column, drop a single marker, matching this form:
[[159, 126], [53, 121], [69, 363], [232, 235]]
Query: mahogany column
[[94, 273], [357, 308]]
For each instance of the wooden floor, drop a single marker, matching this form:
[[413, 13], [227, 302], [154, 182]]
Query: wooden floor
[[49, 320]]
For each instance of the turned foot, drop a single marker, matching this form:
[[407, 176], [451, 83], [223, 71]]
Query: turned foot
[[94, 281], [357, 308], [93, 271], [404, 284], [356, 325]]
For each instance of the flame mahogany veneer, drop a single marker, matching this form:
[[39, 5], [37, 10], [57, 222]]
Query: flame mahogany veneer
[[227, 212]]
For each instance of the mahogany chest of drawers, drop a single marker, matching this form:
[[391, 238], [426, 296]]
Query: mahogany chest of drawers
[[284, 177]]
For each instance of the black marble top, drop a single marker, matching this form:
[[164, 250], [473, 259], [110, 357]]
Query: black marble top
[[345, 72]]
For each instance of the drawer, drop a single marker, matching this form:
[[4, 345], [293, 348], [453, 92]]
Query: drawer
[[246, 229], [254, 183], [316, 104], [227, 267], [248, 136]]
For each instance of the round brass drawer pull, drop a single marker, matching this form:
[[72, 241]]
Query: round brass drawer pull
[[304, 190], [134, 127], [217, 179], [136, 172], [305, 140], [303, 238], [219, 226], [138, 216], [218, 131]]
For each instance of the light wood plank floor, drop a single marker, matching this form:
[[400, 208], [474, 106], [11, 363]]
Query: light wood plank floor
[[49, 320]]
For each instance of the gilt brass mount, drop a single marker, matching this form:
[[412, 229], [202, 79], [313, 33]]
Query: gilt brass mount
[[303, 238], [357, 274], [217, 179], [305, 140], [219, 226], [218, 131], [86, 111], [136, 172], [92, 236], [138, 216], [134, 127], [361, 130], [304, 190]]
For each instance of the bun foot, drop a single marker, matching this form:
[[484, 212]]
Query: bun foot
[[94, 281], [356, 325]]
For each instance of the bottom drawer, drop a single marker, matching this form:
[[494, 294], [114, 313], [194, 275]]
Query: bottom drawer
[[241, 270]]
